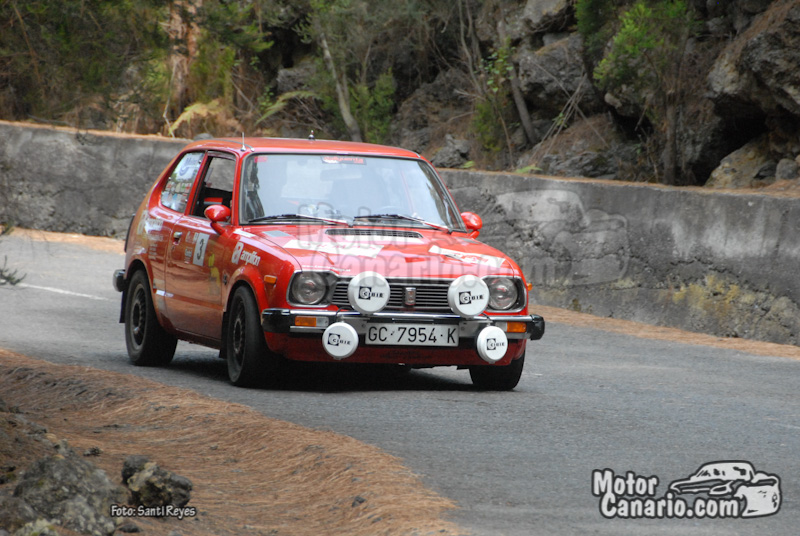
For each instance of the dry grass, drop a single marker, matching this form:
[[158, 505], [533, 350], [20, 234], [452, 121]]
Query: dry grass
[[251, 474]]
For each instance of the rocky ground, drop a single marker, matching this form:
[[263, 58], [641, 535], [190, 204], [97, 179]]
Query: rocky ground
[[67, 435]]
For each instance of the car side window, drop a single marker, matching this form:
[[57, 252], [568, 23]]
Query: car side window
[[179, 184], [217, 187]]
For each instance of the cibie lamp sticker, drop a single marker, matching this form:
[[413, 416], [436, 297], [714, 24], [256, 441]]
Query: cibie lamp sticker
[[340, 340], [468, 296], [368, 292]]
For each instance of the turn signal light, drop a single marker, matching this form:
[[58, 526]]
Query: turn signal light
[[306, 321], [516, 327]]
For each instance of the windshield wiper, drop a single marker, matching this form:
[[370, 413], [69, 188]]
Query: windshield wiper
[[402, 217], [292, 216]]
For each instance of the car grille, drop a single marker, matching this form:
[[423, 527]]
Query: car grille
[[431, 296], [373, 232]]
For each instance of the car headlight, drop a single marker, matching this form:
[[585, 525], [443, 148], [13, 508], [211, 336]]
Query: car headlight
[[503, 293], [308, 288]]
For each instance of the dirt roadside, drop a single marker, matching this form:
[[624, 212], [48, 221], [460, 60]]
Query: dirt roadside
[[251, 474]]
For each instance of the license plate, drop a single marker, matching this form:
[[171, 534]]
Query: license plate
[[412, 335]]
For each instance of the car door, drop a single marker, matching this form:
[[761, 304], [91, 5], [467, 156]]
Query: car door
[[194, 267], [155, 226]]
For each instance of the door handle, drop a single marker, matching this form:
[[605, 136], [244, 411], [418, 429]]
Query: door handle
[[176, 236]]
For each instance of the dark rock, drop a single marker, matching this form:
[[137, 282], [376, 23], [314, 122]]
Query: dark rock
[[129, 528], [296, 78], [787, 170], [745, 167], [547, 15], [454, 154], [551, 75], [132, 465], [151, 485], [67, 488], [757, 72], [431, 104], [14, 513], [92, 451], [40, 527]]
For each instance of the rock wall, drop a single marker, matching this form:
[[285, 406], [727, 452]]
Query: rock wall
[[88, 182], [720, 263], [715, 262]]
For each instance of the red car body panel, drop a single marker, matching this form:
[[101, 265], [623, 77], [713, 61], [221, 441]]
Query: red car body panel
[[194, 265]]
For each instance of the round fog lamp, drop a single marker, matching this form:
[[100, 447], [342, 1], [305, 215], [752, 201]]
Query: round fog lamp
[[340, 340], [368, 292], [468, 295], [492, 344]]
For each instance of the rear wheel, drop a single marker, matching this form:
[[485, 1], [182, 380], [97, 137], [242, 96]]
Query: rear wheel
[[250, 361], [494, 378], [148, 343]]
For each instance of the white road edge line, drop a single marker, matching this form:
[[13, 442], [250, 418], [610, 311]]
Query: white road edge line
[[61, 291]]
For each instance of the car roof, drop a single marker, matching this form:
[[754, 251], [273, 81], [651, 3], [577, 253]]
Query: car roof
[[297, 145]]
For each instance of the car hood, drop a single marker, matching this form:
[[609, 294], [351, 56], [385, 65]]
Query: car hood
[[392, 252]]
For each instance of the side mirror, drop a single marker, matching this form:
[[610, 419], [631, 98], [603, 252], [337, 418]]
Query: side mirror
[[473, 222], [217, 214]]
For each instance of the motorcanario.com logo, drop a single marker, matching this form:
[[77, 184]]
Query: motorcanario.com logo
[[717, 490]]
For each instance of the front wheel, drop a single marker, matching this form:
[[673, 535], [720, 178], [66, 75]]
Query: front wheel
[[250, 361], [148, 343], [494, 378]]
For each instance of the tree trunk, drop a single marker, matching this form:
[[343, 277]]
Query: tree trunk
[[669, 157], [342, 92], [516, 93], [183, 49]]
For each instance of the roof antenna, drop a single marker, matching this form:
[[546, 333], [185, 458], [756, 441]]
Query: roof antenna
[[311, 136], [244, 148]]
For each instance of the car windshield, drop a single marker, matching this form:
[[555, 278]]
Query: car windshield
[[354, 189]]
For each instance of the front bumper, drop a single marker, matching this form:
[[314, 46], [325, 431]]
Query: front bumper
[[285, 321]]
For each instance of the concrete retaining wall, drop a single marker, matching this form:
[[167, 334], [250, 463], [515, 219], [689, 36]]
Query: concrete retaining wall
[[86, 182], [721, 263], [705, 261]]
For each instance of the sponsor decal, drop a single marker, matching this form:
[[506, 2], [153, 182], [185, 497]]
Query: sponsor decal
[[200, 245], [469, 297], [335, 339], [237, 252], [469, 258], [249, 257], [149, 225], [492, 344], [366, 293], [717, 490], [337, 159]]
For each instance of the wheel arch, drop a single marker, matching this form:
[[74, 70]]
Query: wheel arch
[[241, 282], [133, 267]]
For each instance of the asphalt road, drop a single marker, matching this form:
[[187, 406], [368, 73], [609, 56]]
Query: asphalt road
[[517, 463]]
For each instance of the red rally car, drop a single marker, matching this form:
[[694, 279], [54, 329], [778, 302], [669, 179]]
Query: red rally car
[[311, 250]]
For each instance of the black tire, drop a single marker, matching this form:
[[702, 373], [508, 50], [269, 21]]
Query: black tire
[[148, 343], [250, 362], [494, 378]]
